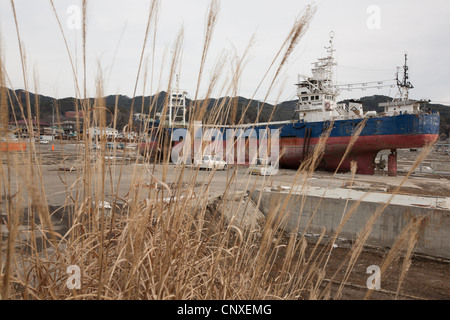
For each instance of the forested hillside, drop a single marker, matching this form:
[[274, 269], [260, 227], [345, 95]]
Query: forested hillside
[[228, 105]]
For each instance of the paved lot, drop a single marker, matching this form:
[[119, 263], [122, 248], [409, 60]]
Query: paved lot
[[63, 174], [63, 179]]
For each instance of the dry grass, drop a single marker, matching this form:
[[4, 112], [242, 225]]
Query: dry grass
[[181, 248]]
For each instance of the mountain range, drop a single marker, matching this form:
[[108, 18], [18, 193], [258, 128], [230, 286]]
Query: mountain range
[[282, 111]]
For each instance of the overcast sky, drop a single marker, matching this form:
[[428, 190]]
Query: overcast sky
[[371, 38]]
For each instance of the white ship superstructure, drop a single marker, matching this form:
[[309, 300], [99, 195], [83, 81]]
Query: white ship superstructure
[[317, 94], [402, 105]]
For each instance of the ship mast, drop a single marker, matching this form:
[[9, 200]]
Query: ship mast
[[329, 66], [404, 85], [323, 70]]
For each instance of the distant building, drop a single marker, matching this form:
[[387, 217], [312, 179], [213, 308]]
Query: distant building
[[22, 126], [74, 114], [34, 122], [97, 132]]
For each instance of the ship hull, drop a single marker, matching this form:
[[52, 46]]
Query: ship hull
[[149, 149], [379, 133], [298, 140], [363, 151]]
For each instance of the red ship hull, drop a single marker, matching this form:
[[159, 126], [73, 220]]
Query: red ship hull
[[364, 150]]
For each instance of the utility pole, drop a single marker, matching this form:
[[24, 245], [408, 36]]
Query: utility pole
[[53, 120]]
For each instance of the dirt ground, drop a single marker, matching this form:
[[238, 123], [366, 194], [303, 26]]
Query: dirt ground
[[427, 277]]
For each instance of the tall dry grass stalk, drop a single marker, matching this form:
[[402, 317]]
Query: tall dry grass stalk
[[163, 238], [210, 24]]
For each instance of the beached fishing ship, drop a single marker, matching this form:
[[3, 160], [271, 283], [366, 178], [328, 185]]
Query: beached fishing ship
[[402, 125]]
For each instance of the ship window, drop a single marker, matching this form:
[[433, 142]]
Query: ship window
[[304, 98], [317, 97], [312, 98]]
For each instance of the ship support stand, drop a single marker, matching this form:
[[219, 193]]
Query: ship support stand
[[392, 163]]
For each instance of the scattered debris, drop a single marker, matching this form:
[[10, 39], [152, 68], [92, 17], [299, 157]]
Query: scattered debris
[[71, 169], [239, 210], [103, 205]]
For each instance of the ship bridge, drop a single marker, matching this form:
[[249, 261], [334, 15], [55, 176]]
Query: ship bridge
[[317, 94]]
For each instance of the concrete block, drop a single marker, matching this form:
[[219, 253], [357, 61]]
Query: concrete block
[[317, 208]]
